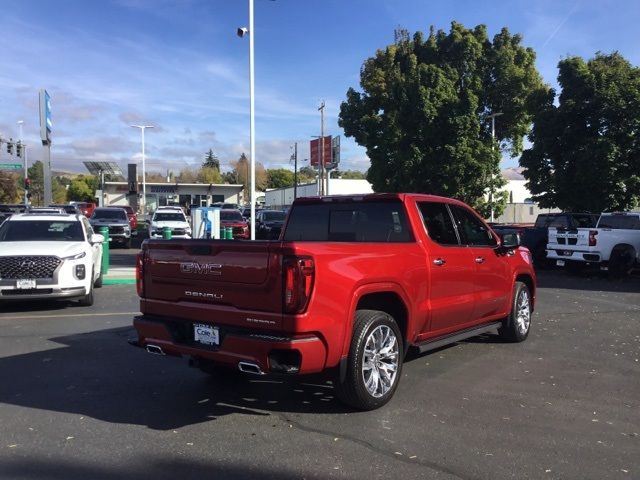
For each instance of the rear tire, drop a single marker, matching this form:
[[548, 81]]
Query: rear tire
[[621, 262], [515, 328], [374, 364]]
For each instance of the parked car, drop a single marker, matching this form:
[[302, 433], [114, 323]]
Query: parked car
[[353, 284], [49, 256], [86, 208], [613, 245], [115, 218], [233, 219], [269, 224], [68, 208], [131, 215], [172, 218]]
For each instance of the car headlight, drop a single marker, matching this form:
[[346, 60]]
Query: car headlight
[[77, 256]]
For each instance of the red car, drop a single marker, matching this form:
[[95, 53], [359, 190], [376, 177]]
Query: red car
[[233, 219], [86, 208], [131, 215], [352, 284]]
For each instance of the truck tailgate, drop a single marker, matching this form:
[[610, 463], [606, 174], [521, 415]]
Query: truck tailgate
[[213, 281], [577, 238]]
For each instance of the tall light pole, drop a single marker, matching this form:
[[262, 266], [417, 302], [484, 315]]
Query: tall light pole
[[24, 159], [242, 31], [144, 170], [493, 146]]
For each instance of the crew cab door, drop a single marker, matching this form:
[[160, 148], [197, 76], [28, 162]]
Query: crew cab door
[[491, 276], [450, 286]]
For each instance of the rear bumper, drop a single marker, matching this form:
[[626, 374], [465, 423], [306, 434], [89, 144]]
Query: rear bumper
[[272, 352], [574, 255]]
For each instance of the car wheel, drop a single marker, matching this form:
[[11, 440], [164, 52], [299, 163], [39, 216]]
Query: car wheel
[[515, 328], [374, 364], [621, 262], [98, 282], [87, 300]]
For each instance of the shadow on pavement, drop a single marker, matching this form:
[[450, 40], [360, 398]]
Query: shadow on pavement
[[589, 280], [100, 375], [157, 468]]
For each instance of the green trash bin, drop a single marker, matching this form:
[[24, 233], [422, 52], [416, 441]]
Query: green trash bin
[[228, 233], [166, 233], [104, 231]]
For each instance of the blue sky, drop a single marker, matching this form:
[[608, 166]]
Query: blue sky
[[179, 65]]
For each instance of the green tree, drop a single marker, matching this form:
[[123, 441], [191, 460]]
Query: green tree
[[187, 175], [279, 178], [348, 174], [36, 175], [211, 161], [307, 174], [58, 191], [423, 112], [9, 192], [82, 189], [585, 153], [209, 175]]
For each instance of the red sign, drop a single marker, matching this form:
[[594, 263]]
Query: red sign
[[316, 154]]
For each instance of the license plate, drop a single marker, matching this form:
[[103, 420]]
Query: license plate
[[25, 284], [206, 334], [567, 253], [560, 263]]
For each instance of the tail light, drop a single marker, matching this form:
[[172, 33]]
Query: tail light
[[592, 238], [140, 274], [299, 274]]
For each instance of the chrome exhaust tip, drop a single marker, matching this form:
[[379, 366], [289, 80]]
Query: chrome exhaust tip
[[156, 350], [247, 367]]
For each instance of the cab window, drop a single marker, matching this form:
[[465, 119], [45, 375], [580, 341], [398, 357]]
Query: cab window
[[472, 230], [437, 221]]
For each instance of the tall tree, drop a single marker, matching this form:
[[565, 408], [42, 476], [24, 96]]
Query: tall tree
[[9, 192], [82, 189], [586, 149], [423, 114], [209, 175], [36, 175], [279, 178], [211, 161], [241, 167]]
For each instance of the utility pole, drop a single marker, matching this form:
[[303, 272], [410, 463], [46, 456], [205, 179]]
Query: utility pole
[[24, 159], [294, 157], [321, 166]]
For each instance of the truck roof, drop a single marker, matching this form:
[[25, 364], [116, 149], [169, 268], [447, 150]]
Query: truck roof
[[367, 197]]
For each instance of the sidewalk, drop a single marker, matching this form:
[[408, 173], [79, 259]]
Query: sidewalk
[[120, 276]]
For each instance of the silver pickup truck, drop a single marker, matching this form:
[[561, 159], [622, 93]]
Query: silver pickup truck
[[116, 220]]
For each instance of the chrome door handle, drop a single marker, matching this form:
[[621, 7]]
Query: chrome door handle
[[439, 262], [479, 259]]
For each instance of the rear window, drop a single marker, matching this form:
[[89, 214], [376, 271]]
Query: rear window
[[620, 222], [349, 222]]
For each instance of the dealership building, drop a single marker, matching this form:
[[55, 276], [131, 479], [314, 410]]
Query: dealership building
[[162, 194]]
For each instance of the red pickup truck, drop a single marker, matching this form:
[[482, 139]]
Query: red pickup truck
[[352, 284]]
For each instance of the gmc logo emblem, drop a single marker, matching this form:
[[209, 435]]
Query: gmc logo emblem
[[201, 268]]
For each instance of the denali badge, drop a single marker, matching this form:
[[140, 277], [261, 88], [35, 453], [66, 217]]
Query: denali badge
[[215, 296], [201, 268]]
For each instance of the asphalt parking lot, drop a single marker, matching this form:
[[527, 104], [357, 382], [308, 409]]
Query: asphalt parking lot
[[78, 402]]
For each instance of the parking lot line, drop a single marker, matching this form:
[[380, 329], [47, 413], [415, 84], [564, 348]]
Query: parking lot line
[[18, 317]]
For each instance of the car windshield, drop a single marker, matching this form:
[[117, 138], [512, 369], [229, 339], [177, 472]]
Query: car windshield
[[110, 214], [168, 217], [231, 215], [41, 231], [274, 216]]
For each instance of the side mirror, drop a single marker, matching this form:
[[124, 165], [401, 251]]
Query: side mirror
[[97, 238], [510, 240]]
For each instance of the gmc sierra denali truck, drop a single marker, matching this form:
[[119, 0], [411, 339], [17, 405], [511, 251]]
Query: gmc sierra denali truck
[[350, 286]]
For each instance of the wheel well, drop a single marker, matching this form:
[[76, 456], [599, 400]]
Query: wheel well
[[623, 247], [528, 281], [390, 303]]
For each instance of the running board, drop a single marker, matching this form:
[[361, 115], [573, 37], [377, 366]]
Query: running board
[[438, 342]]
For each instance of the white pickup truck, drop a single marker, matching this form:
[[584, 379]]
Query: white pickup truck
[[613, 245]]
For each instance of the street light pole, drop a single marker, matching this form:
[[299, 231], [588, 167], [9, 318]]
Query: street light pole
[[24, 159], [493, 146], [144, 172]]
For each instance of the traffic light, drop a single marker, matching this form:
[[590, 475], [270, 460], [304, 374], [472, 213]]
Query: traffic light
[[10, 146], [27, 183], [19, 149]]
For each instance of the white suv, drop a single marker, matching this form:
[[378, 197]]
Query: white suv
[[49, 255], [172, 217]]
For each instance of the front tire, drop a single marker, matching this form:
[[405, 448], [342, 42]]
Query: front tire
[[515, 328], [374, 364], [87, 300]]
